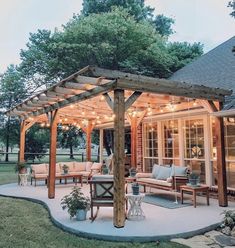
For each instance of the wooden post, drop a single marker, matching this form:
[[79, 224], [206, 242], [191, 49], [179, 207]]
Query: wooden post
[[221, 163], [52, 156], [119, 153], [133, 141], [22, 141], [101, 144], [88, 140]]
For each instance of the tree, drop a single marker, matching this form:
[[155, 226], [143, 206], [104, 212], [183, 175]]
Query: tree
[[36, 142], [231, 4], [135, 8], [70, 138], [13, 91]]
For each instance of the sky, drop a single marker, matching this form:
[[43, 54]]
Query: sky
[[205, 21]]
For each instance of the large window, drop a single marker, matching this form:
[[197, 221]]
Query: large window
[[194, 151], [170, 142], [150, 146], [229, 136]]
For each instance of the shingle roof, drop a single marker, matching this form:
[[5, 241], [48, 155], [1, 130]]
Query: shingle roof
[[215, 69]]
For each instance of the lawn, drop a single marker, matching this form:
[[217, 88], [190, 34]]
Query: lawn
[[26, 224]]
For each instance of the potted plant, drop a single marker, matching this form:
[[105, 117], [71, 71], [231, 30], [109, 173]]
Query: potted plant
[[194, 179], [135, 188], [21, 167], [132, 172], [65, 169], [76, 203]]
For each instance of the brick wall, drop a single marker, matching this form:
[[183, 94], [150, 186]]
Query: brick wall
[[139, 149]]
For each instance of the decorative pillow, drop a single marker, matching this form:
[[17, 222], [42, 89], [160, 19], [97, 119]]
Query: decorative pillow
[[178, 171], [163, 173], [155, 170], [96, 166], [40, 168], [169, 180], [79, 166], [88, 166]]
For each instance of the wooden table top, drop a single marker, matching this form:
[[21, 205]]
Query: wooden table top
[[197, 188]]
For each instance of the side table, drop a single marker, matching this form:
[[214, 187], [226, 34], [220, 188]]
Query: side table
[[194, 190], [135, 212], [23, 179]]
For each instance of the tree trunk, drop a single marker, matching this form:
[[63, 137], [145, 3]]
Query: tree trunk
[[71, 151], [7, 139]]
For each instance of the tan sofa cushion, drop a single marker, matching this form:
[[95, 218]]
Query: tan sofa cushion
[[154, 181], [79, 166], [88, 166], [39, 169], [143, 175], [42, 176], [96, 166]]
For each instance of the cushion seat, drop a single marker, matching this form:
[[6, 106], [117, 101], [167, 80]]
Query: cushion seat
[[41, 176], [154, 181]]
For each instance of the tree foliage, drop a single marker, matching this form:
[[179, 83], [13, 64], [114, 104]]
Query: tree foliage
[[231, 4]]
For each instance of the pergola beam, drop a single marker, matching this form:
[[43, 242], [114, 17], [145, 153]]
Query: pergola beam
[[77, 98], [132, 99], [161, 86]]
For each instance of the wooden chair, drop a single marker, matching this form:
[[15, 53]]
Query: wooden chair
[[101, 192]]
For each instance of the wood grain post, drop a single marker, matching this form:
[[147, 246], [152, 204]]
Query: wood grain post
[[22, 141], [88, 140], [52, 155], [133, 141], [101, 145], [221, 163], [119, 153]]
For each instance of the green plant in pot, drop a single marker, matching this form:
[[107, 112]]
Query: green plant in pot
[[132, 172], [76, 203], [194, 179], [135, 188], [21, 167], [65, 169]]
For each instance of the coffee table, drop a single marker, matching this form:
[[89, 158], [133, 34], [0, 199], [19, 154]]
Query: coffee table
[[194, 190]]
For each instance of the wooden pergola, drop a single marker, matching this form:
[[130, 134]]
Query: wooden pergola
[[98, 98]]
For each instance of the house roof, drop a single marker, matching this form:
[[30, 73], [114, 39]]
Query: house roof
[[214, 69]]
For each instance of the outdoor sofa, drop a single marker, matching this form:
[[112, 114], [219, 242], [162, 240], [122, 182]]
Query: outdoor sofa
[[164, 177], [86, 169]]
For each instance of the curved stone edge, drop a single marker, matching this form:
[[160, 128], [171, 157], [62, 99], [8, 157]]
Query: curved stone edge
[[111, 237]]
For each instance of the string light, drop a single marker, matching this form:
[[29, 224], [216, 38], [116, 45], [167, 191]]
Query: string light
[[71, 106], [194, 102], [161, 110], [60, 120], [83, 113], [47, 125], [65, 119], [102, 98], [42, 124]]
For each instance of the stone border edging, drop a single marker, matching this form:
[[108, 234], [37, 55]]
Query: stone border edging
[[111, 237]]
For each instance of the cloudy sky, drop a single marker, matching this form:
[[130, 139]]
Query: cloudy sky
[[207, 21]]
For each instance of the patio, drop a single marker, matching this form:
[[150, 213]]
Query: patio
[[160, 223]]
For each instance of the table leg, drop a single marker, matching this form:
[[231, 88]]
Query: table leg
[[75, 180], [81, 181], [182, 196], [194, 198], [207, 197]]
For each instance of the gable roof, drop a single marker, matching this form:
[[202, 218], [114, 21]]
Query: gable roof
[[214, 69]]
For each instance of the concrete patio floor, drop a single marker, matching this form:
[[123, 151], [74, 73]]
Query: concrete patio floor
[[160, 223]]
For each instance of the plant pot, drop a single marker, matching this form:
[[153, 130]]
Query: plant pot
[[135, 189], [81, 214], [23, 171], [194, 181], [132, 172], [66, 171]]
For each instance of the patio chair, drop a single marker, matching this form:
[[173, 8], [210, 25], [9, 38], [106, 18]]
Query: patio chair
[[101, 192]]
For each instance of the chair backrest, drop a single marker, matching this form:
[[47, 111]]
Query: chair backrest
[[101, 187], [109, 163]]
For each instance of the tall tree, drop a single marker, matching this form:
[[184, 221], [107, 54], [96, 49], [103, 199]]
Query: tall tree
[[231, 4], [136, 8], [13, 90]]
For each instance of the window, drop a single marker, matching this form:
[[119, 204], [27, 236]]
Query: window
[[170, 142]]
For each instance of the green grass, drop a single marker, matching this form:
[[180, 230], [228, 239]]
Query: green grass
[[7, 174], [26, 224]]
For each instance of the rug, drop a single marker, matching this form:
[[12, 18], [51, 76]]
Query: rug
[[164, 200]]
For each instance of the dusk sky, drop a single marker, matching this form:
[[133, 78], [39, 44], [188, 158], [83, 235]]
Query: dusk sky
[[205, 21]]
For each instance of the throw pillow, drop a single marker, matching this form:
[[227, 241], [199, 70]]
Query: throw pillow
[[88, 166], [163, 173], [155, 170], [178, 170]]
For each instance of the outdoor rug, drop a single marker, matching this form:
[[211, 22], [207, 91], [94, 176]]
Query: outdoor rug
[[164, 200]]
